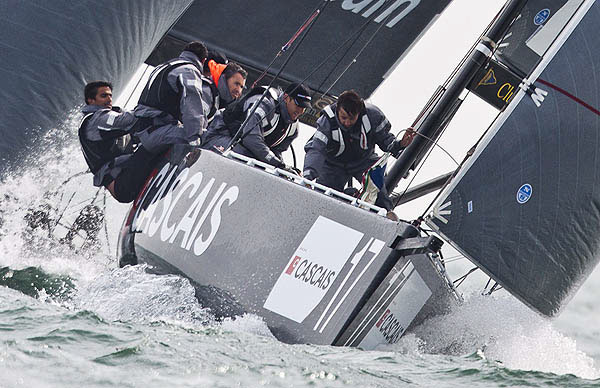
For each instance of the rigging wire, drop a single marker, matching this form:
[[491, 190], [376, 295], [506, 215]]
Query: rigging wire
[[455, 258], [470, 152], [353, 61], [352, 36], [284, 48], [461, 279], [435, 144], [239, 135]]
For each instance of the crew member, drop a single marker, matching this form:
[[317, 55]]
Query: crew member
[[171, 106], [271, 128], [215, 56], [100, 134], [224, 85], [343, 145]]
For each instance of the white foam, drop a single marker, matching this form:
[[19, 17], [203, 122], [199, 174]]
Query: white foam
[[130, 294], [503, 330]]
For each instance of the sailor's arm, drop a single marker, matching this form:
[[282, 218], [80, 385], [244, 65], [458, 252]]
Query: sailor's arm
[[193, 108], [387, 141], [316, 149], [253, 138], [114, 123], [381, 125]]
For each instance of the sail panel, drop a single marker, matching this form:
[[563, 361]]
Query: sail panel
[[253, 32], [50, 50], [532, 33], [526, 208]]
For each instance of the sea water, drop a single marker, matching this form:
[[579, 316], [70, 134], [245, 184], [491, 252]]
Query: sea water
[[69, 317]]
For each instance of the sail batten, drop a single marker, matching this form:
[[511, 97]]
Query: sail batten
[[526, 206]]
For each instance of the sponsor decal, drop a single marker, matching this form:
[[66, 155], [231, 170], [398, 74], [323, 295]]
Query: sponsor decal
[[524, 193], [537, 95], [311, 273], [366, 8], [367, 253], [389, 327], [312, 269], [184, 225], [411, 295], [541, 17], [488, 79], [506, 92]]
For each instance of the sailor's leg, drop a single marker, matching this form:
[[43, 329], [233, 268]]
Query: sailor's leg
[[332, 176], [215, 142], [129, 182], [383, 199], [158, 139]]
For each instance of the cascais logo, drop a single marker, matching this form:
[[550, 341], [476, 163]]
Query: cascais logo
[[155, 216], [389, 327], [310, 273]]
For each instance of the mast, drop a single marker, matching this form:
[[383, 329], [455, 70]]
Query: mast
[[436, 118]]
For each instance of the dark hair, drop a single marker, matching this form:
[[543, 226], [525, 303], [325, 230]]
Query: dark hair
[[91, 89], [215, 56], [351, 102], [197, 48], [233, 68]]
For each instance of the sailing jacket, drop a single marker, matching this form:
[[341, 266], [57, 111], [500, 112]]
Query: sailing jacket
[[98, 133], [268, 132], [174, 94], [346, 147]]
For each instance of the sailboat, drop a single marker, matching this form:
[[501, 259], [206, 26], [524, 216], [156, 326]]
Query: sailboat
[[322, 267]]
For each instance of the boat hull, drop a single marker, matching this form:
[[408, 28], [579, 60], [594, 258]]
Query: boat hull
[[252, 241]]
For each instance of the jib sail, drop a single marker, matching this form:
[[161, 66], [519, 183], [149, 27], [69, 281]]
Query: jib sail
[[526, 206], [252, 32], [50, 49]]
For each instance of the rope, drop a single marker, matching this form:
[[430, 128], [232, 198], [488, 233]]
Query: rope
[[293, 155], [104, 222]]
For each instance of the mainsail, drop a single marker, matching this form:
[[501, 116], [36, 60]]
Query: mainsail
[[526, 206], [50, 49], [226, 26]]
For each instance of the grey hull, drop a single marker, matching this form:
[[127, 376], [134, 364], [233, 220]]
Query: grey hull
[[316, 268]]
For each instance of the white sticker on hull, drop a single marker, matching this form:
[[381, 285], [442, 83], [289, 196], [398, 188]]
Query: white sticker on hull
[[312, 269], [394, 320]]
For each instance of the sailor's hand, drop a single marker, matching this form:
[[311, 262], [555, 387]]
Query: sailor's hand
[[292, 170], [408, 137]]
